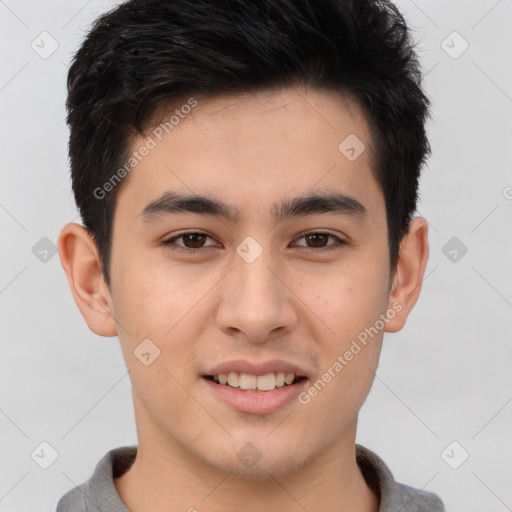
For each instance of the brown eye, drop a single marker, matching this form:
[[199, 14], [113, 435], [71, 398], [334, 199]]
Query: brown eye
[[191, 242], [318, 239], [194, 240]]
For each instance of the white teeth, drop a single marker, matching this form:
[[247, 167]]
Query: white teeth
[[266, 382], [233, 379], [249, 382]]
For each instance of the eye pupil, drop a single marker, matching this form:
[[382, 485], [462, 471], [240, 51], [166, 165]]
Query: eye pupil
[[315, 237], [195, 237]]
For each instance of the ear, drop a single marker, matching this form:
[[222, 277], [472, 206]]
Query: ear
[[80, 260], [408, 277]]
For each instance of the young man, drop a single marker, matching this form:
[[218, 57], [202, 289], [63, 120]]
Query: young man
[[247, 174]]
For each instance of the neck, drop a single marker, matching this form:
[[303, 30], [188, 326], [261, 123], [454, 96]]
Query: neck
[[164, 477]]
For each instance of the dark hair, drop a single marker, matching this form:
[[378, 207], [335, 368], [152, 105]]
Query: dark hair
[[145, 55]]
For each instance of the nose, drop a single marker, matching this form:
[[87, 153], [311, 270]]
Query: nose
[[256, 300]]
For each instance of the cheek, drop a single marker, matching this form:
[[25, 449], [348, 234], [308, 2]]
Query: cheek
[[160, 307], [354, 298], [352, 306], [154, 299], [165, 308], [349, 297]]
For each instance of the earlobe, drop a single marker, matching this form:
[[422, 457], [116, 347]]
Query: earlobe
[[408, 278], [81, 262]]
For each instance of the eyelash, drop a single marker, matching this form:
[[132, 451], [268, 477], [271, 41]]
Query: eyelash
[[170, 242]]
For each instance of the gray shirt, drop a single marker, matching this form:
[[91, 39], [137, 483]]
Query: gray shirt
[[99, 494]]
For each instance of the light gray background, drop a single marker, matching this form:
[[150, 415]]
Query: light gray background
[[445, 377]]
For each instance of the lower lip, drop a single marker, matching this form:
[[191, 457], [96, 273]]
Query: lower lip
[[256, 403]]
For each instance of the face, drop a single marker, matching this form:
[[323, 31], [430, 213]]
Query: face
[[253, 280]]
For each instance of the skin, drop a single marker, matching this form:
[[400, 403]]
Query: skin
[[291, 303]]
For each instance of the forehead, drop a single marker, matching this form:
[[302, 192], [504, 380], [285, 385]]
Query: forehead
[[254, 149]]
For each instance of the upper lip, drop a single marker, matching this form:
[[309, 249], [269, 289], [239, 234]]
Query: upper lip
[[254, 368]]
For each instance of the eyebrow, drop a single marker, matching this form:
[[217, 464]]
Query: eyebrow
[[171, 203]]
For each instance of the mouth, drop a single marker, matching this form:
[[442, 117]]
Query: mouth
[[255, 383], [255, 387]]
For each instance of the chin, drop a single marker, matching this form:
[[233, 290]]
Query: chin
[[275, 466]]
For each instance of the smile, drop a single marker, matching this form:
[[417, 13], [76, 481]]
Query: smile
[[255, 401], [257, 383]]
